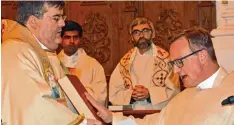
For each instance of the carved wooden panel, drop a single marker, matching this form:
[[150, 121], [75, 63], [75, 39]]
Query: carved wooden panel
[[130, 6], [95, 40], [168, 25], [106, 23]]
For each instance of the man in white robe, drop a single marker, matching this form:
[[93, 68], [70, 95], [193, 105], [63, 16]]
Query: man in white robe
[[87, 69], [30, 68], [142, 77], [207, 86]]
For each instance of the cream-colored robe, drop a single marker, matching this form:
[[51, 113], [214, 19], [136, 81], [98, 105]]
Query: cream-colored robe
[[91, 74], [156, 68], [195, 106], [25, 93]]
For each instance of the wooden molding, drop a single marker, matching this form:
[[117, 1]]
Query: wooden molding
[[92, 3]]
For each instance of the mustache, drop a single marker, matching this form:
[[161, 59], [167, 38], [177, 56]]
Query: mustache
[[144, 44]]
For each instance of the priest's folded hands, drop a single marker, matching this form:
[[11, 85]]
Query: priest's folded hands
[[140, 93]]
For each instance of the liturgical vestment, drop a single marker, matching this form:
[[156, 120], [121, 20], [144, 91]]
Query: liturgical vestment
[[149, 70], [195, 106], [26, 93], [89, 71]]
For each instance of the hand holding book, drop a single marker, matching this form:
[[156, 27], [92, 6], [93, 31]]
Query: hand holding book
[[103, 112]]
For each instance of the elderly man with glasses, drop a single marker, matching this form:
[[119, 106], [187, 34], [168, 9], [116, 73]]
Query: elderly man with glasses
[[208, 98], [142, 76]]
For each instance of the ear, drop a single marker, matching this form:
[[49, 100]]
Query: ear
[[203, 57], [32, 22]]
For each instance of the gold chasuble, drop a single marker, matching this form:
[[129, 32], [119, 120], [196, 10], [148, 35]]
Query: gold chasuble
[[30, 91]]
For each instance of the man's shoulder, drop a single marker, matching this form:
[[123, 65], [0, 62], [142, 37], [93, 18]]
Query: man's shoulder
[[92, 61], [129, 53], [187, 92], [228, 79], [13, 52], [11, 44]]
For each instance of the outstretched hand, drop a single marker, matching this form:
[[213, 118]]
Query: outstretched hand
[[103, 112]]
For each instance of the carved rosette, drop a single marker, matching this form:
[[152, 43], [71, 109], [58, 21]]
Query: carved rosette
[[95, 40], [168, 24]]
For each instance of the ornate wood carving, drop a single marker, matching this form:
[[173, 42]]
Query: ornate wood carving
[[130, 6], [95, 40], [135, 6], [206, 14], [168, 24]]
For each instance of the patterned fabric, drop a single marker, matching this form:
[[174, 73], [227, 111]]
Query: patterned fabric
[[160, 67]]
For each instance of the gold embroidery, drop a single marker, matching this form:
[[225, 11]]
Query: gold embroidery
[[78, 120], [161, 69]]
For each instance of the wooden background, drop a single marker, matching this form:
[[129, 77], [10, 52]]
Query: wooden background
[[106, 23]]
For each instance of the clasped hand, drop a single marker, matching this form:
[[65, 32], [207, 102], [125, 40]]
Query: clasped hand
[[140, 93]]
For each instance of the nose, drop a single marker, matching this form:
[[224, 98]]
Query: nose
[[141, 34], [61, 23], [71, 39], [176, 69]]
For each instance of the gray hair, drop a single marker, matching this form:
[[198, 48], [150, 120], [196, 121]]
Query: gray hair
[[198, 38], [142, 20], [36, 8]]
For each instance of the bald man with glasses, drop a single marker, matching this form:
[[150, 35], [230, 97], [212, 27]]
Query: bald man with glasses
[[207, 100], [142, 78]]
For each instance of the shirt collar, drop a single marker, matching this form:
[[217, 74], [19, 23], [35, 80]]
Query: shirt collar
[[70, 61], [42, 46], [209, 82], [149, 52]]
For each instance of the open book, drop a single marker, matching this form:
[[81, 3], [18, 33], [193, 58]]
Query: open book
[[75, 90]]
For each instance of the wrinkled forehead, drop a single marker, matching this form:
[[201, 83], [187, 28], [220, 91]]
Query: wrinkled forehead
[[141, 27], [179, 48]]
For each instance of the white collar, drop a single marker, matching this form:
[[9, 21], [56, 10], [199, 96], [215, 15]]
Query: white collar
[[70, 61], [42, 46], [209, 82], [148, 52]]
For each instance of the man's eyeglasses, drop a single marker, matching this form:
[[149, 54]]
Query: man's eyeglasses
[[58, 17], [179, 62], [145, 31]]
